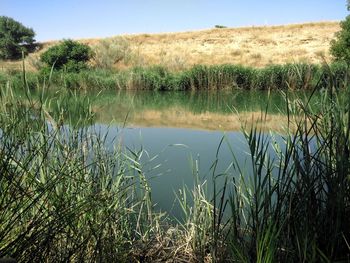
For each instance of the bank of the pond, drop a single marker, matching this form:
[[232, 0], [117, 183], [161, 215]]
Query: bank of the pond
[[199, 77]]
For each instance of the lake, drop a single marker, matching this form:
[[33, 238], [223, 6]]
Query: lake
[[182, 134]]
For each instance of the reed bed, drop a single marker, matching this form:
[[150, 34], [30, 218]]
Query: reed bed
[[66, 197], [293, 204], [200, 77]]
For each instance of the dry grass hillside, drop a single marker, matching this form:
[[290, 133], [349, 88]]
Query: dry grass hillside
[[253, 46]]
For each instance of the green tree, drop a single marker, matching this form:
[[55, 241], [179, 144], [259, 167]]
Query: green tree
[[14, 38], [340, 47], [69, 55]]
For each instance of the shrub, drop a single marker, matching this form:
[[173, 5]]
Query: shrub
[[340, 47], [109, 52], [68, 55], [14, 38], [34, 61]]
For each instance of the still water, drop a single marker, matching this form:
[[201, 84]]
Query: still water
[[180, 133]]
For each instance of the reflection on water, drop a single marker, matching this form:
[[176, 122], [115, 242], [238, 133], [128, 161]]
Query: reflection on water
[[183, 130], [177, 151], [175, 155], [181, 133], [224, 111]]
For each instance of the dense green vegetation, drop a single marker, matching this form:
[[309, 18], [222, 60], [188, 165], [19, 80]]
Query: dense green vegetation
[[220, 77], [15, 38], [340, 47], [65, 197], [69, 55]]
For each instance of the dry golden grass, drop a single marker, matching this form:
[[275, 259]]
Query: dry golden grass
[[251, 46]]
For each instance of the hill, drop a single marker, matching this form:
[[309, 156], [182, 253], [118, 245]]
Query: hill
[[250, 46]]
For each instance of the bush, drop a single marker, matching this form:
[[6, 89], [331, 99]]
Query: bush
[[14, 38], [109, 52], [68, 55], [340, 47]]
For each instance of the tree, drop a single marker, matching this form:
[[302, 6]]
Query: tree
[[340, 47], [69, 55], [14, 38]]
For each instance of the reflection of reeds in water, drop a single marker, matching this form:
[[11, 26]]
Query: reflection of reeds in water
[[226, 111]]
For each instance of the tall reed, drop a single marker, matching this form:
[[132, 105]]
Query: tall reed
[[65, 197], [294, 205], [199, 77]]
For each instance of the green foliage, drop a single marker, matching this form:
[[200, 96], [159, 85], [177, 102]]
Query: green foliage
[[200, 77], [340, 48], [289, 76], [242, 76], [64, 196], [68, 55], [14, 38], [154, 78], [336, 73], [293, 206], [217, 77]]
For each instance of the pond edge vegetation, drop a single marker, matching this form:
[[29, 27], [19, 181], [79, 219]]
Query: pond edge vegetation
[[199, 77], [65, 197]]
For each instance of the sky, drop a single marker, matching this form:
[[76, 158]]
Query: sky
[[75, 19]]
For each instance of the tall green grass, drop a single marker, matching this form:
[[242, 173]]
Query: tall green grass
[[64, 197], [289, 206], [199, 77], [294, 205]]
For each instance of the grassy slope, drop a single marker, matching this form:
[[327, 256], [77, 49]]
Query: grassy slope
[[253, 46]]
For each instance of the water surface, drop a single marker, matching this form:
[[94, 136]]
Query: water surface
[[180, 133]]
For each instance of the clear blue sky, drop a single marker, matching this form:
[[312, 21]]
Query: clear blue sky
[[57, 19]]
